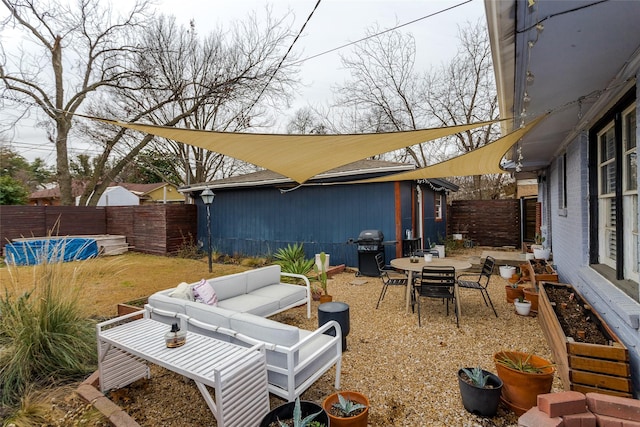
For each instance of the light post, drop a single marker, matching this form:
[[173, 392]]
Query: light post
[[207, 198]]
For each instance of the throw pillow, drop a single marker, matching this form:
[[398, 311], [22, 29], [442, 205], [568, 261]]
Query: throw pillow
[[182, 291], [205, 293]]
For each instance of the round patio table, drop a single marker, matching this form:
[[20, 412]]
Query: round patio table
[[416, 267]]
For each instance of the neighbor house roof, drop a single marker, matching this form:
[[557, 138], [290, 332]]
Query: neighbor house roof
[[342, 174]]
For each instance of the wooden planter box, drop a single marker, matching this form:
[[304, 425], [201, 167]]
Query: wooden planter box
[[131, 306], [582, 366], [549, 274]]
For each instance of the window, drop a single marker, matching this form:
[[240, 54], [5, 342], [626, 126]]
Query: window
[[438, 206], [562, 185], [616, 237]]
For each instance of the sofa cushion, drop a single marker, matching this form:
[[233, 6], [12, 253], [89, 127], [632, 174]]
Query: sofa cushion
[[216, 316], [163, 301], [285, 294], [261, 277], [183, 291], [249, 303], [229, 286], [305, 351], [264, 329], [205, 293]]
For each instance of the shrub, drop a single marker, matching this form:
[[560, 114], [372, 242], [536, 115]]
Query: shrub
[[44, 338], [291, 259]]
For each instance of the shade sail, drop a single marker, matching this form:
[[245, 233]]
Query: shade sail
[[481, 161], [298, 157]]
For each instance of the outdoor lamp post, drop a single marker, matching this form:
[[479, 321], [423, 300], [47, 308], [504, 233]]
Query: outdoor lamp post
[[207, 198]]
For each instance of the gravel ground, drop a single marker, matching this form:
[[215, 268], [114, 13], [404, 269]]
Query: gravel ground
[[409, 373]]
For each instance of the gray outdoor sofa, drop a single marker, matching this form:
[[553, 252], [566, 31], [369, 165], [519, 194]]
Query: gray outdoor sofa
[[295, 357]]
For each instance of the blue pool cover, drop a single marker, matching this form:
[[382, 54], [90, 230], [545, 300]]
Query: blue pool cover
[[31, 252]]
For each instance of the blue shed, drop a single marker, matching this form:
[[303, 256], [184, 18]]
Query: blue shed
[[258, 213]]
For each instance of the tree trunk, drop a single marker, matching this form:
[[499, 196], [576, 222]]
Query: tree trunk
[[62, 162]]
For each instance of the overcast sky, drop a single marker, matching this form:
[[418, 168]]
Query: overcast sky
[[333, 24]]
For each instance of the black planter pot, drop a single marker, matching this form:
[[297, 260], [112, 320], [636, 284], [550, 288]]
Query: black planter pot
[[481, 401], [285, 411]]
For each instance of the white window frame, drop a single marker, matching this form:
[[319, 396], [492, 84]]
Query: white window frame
[[609, 220], [437, 206]]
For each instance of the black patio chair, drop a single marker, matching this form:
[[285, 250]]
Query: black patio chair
[[437, 282], [389, 277], [481, 282]]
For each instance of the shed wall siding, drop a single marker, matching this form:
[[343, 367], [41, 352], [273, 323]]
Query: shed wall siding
[[258, 221]]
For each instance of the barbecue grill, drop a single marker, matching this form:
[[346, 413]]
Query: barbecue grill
[[370, 243]]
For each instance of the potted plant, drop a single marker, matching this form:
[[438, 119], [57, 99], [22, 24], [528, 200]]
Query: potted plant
[[480, 391], [506, 271], [347, 408], [523, 306], [538, 240], [316, 292], [321, 275], [525, 376], [296, 414]]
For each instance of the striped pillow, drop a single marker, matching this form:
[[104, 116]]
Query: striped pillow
[[203, 292]]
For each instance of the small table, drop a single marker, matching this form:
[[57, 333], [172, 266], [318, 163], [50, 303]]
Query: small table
[[416, 267], [237, 374], [339, 312]]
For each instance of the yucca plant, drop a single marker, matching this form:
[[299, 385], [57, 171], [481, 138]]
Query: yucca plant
[[44, 338], [520, 364]]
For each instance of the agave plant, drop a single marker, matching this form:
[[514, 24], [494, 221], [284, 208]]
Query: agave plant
[[347, 406], [477, 377], [298, 421], [292, 260]]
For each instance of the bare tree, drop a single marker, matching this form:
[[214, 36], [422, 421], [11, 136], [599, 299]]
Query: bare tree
[[463, 91], [386, 93], [306, 121], [69, 54], [224, 82]]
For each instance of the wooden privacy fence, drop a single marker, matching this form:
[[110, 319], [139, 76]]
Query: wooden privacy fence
[[155, 229], [487, 222]]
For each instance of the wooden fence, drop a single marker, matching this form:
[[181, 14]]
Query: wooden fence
[[156, 229], [488, 222]]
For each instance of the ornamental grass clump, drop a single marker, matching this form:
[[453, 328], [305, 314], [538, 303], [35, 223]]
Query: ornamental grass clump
[[44, 338]]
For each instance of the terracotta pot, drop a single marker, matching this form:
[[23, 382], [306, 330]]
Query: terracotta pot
[[531, 294], [513, 293], [325, 298], [521, 389], [359, 420]]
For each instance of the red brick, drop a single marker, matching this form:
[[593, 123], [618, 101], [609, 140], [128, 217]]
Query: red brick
[[88, 393], [536, 418], [122, 419], [613, 406], [562, 403], [607, 421], [586, 419], [105, 406]]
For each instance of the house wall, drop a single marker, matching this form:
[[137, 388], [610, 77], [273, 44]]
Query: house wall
[[258, 221], [569, 232], [172, 195]]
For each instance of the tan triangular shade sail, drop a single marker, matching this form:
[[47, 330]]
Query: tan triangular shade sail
[[481, 161], [298, 157]]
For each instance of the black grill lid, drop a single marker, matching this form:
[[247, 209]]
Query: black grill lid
[[370, 236]]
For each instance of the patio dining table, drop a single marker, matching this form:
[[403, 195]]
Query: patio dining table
[[416, 267]]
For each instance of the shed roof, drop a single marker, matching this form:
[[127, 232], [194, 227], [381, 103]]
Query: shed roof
[[343, 173]]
